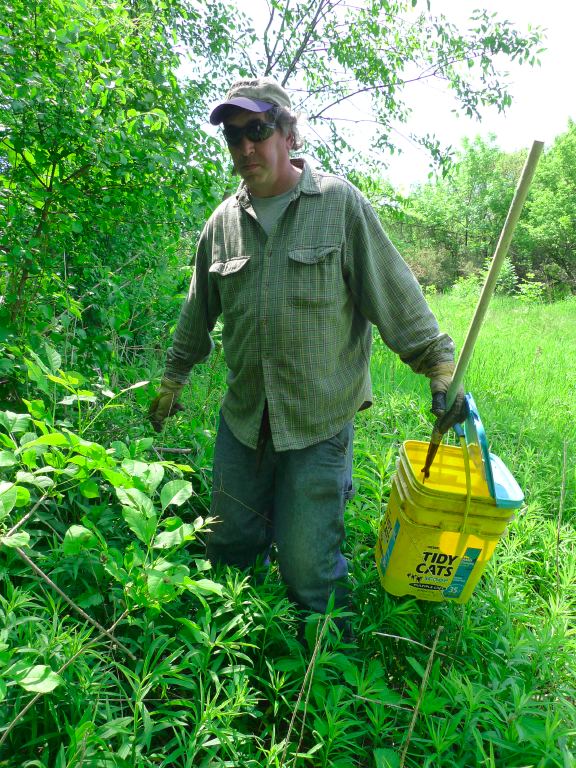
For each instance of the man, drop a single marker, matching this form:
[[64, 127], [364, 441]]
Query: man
[[298, 265]]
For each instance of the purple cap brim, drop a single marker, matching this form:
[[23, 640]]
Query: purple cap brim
[[252, 105]]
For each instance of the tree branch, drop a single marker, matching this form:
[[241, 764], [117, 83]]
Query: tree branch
[[71, 603], [307, 35]]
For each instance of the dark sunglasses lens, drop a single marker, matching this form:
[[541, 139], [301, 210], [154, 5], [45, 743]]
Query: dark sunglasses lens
[[233, 134], [254, 131], [258, 131]]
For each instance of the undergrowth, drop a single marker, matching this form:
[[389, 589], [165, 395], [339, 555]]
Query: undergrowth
[[121, 646]]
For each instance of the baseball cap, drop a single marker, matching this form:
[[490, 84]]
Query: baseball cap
[[254, 95]]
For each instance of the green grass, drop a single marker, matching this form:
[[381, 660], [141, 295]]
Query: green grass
[[218, 678]]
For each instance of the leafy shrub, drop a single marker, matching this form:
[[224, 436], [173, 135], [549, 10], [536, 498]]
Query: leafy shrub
[[507, 282], [531, 291], [467, 287]]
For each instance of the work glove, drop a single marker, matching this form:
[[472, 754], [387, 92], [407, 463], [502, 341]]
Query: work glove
[[165, 403], [440, 377]]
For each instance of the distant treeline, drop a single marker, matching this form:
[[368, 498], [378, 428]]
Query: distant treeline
[[449, 227]]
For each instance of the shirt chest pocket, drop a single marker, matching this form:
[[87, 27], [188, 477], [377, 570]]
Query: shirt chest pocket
[[314, 277], [234, 279]]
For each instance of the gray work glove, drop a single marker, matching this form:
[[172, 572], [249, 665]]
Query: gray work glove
[[165, 403], [440, 377]]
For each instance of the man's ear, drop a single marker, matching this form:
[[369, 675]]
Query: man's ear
[[290, 141]]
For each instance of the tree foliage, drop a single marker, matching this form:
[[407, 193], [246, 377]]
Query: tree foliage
[[459, 216], [551, 225], [354, 64], [450, 226], [103, 162]]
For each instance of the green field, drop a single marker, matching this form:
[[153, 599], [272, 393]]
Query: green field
[[205, 669]]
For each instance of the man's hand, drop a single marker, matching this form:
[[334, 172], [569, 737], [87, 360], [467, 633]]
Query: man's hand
[[165, 403], [440, 377]]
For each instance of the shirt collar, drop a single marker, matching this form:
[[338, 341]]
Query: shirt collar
[[307, 184]]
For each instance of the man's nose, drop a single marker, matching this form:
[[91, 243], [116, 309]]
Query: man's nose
[[246, 146]]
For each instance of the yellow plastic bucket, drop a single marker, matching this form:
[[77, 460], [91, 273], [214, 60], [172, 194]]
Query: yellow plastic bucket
[[435, 539]]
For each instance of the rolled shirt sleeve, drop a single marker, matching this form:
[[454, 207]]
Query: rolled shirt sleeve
[[390, 297], [192, 342]]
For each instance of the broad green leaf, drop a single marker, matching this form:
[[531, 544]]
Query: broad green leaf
[[150, 475], [89, 489], [164, 578], [38, 679], [386, 758], [182, 467], [204, 586], [71, 379], [36, 374], [37, 361], [179, 535], [175, 492], [77, 538], [119, 480], [29, 459], [14, 422], [54, 359], [38, 481], [23, 496], [36, 408], [7, 459], [142, 525], [120, 449], [8, 498], [71, 399], [143, 444], [27, 437], [7, 441], [18, 539], [3, 689], [93, 451], [57, 439], [132, 497]]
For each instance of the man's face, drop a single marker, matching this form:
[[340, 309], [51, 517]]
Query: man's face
[[264, 165]]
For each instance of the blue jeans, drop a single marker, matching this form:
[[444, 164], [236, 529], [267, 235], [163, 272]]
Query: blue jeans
[[293, 498]]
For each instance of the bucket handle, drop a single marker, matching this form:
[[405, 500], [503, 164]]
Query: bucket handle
[[466, 457]]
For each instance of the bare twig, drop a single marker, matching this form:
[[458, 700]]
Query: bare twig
[[27, 516], [306, 686], [409, 640], [420, 698], [71, 603], [271, 11], [381, 703], [305, 40]]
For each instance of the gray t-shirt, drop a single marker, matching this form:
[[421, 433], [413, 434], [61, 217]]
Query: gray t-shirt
[[269, 209]]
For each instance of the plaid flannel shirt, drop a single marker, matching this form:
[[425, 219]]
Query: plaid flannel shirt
[[298, 308]]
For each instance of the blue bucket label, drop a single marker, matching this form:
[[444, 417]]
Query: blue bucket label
[[390, 534], [463, 573]]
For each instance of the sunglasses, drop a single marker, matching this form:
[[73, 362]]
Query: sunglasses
[[255, 130]]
